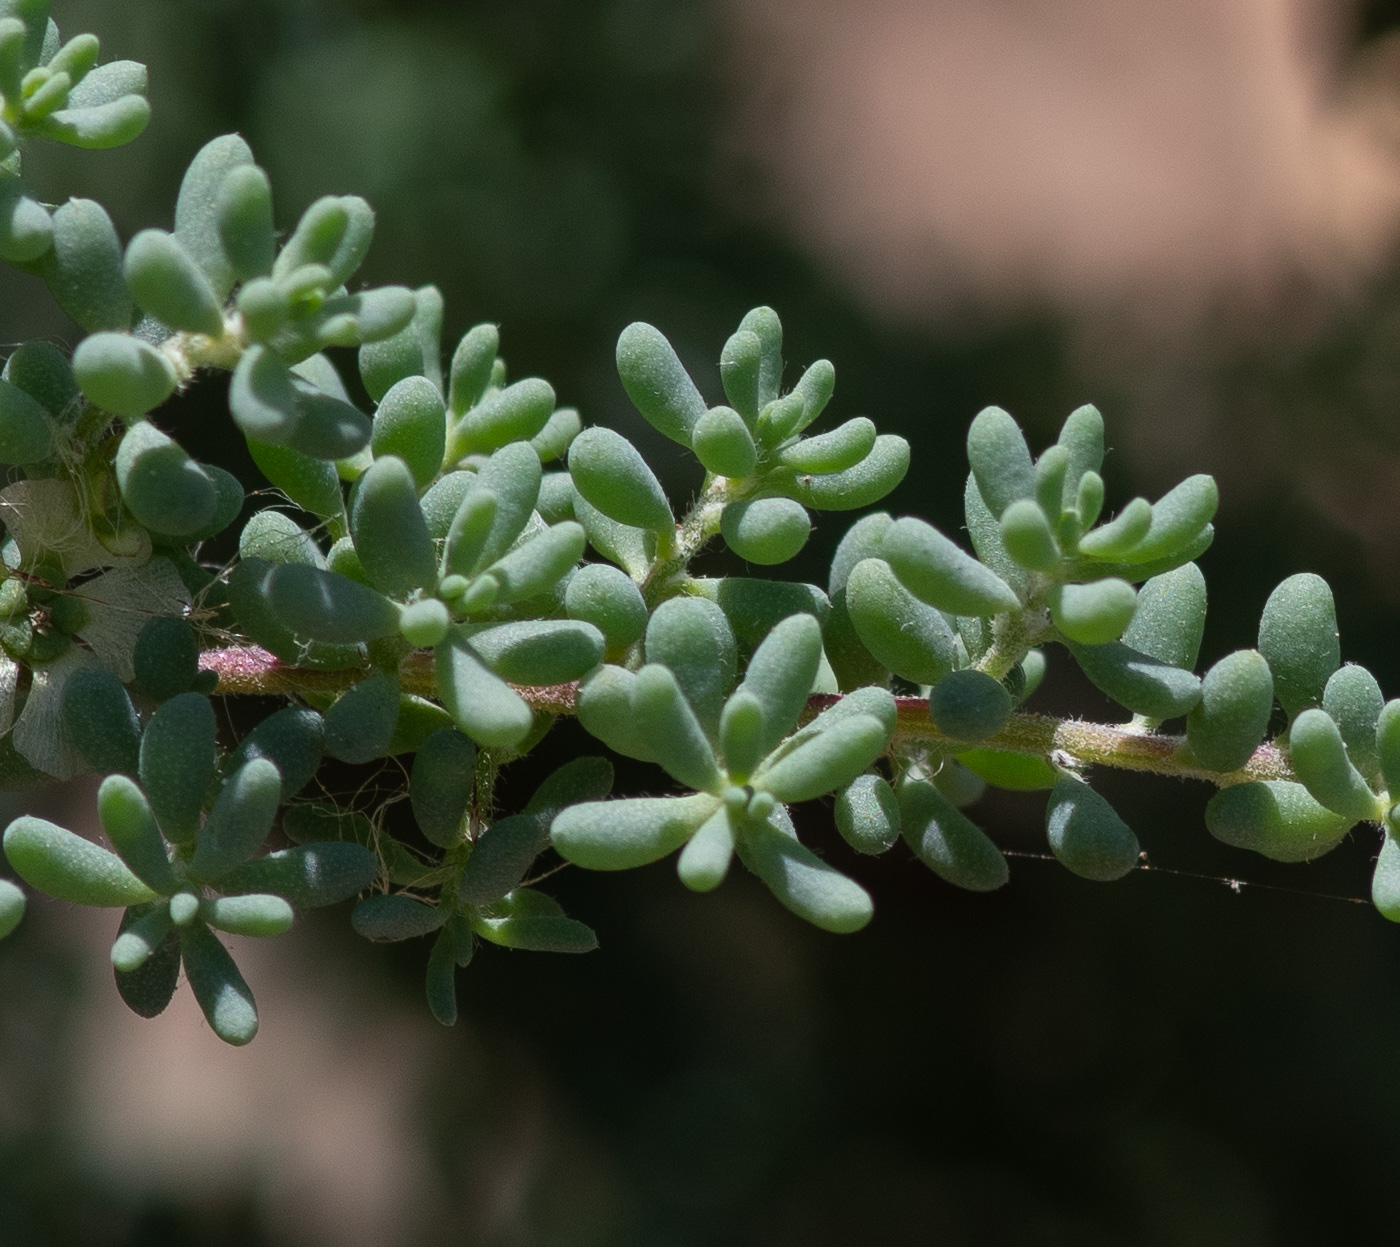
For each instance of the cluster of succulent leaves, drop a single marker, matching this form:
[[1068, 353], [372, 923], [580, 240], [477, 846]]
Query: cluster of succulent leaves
[[439, 578]]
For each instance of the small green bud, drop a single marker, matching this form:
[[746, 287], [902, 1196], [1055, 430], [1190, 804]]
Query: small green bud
[[948, 842], [1050, 471], [693, 638], [609, 599], [292, 739], [1088, 499], [222, 994], [815, 387], [264, 306], [1237, 698], [1117, 538], [1320, 759], [804, 883], [739, 365], [387, 919], [334, 231], [969, 705], [177, 763], [1093, 614], [780, 419], [911, 639], [425, 623], [360, 725], [122, 374], [184, 908], [1086, 834], [657, 383], [131, 827], [240, 820], [608, 471], [471, 367], [1028, 537], [842, 448], [257, 916], [513, 414], [539, 652], [1298, 638], [1170, 618], [166, 282], [766, 531], [327, 607], [309, 875], [391, 535], [1001, 463], [101, 721], [741, 736], [1082, 437], [723, 444], [485, 707], [1354, 701], [824, 762], [869, 481], [67, 867], [763, 322], [622, 835], [1276, 818], [441, 783], [867, 814], [937, 572]]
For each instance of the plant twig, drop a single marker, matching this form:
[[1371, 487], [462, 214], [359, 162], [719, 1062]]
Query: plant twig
[[250, 671]]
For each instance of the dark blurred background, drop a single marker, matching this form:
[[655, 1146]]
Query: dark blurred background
[[1187, 214]]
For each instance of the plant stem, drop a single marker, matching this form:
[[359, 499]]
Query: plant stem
[[249, 671], [701, 523]]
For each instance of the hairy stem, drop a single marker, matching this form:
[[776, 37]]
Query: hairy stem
[[249, 671], [701, 523]]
